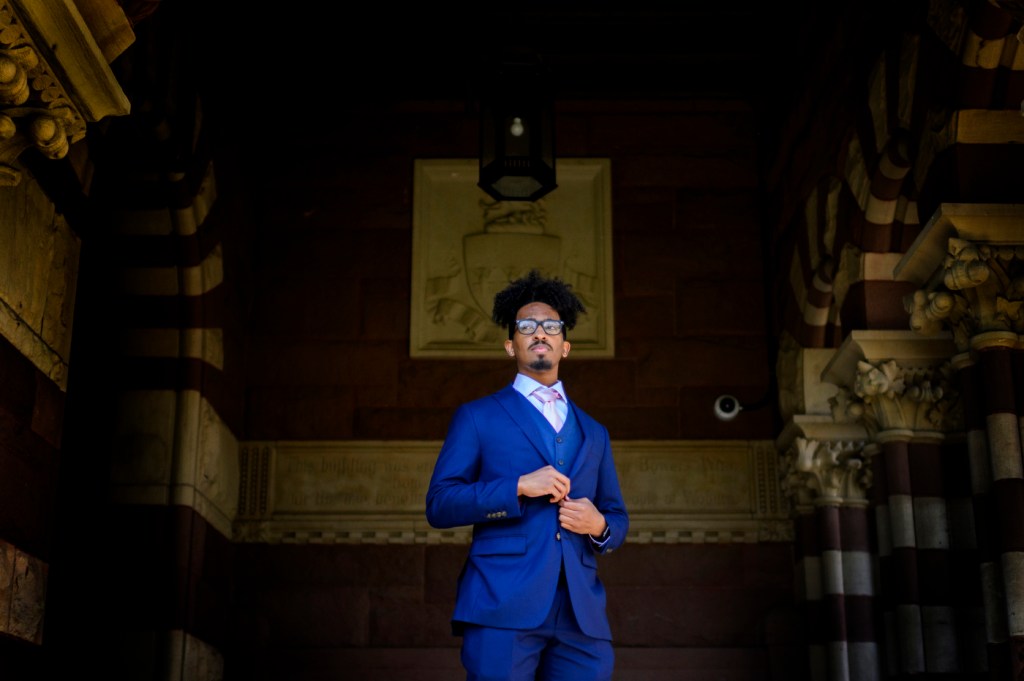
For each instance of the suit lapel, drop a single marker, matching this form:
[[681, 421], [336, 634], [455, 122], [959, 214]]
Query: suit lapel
[[518, 408]]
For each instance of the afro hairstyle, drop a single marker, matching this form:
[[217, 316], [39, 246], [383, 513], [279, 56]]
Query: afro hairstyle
[[534, 288]]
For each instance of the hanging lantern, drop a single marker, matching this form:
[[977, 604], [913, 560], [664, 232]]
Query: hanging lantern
[[517, 135]]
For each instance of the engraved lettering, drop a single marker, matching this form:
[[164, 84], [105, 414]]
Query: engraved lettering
[[324, 498], [347, 467]]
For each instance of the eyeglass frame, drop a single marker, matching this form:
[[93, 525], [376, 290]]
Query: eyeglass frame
[[539, 325]]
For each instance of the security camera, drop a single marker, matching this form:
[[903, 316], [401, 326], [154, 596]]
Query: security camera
[[727, 407]]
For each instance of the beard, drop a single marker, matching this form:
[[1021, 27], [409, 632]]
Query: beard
[[540, 364]]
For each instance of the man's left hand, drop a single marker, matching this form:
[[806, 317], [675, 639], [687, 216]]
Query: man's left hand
[[581, 516]]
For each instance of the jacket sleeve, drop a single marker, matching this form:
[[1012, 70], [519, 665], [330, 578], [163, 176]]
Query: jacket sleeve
[[609, 501], [460, 493]]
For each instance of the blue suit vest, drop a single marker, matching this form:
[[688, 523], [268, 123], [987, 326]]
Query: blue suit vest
[[562, 446]]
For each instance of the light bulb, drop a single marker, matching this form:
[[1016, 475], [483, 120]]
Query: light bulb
[[517, 127]]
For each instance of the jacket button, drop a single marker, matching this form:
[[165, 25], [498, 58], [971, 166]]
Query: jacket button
[[558, 536], [561, 462]]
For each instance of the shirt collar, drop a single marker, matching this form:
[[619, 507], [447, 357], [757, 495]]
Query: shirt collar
[[526, 385]]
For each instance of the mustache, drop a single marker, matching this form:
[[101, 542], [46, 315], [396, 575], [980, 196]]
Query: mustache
[[533, 345]]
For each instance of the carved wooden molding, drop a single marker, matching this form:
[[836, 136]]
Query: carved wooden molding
[[373, 492], [54, 80]]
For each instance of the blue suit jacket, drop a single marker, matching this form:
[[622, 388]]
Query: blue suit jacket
[[511, 573]]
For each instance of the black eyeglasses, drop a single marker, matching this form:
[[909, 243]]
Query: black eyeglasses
[[552, 327]]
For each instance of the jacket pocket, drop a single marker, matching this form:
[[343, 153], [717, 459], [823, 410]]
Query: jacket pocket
[[498, 545]]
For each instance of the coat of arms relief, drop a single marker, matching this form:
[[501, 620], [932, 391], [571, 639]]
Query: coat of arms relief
[[467, 246]]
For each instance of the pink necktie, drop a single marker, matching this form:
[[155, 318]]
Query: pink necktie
[[549, 396]]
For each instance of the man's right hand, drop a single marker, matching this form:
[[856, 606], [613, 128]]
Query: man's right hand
[[544, 481]]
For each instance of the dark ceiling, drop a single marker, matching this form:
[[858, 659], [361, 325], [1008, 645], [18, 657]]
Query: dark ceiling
[[307, 55], [292, 74], [589, 50]]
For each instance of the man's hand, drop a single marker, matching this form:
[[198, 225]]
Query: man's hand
[[581, 516], [544, 481]]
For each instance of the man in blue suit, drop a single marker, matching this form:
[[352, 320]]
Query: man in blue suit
[[542, 494]]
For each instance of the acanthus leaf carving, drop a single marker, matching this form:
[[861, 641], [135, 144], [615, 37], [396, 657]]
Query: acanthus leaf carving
[[887, 396], [984, 292], [816, 471]]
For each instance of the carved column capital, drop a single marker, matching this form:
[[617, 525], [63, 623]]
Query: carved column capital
[[53, 81], [984, 288], [969, 262], [817, 472], [895, 380], [890, 396], [821, 461]]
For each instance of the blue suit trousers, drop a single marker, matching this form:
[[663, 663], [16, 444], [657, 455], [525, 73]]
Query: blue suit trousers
[[555, 651]]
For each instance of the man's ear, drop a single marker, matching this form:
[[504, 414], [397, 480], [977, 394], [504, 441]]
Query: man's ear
[[565, 349], [510, 348]]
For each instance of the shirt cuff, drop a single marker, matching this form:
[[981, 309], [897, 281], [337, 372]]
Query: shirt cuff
[[603, 538]]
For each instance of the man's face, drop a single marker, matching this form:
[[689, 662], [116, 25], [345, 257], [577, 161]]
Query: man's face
[[539, 352]]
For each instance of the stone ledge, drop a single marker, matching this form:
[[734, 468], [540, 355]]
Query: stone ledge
[[373, 492]]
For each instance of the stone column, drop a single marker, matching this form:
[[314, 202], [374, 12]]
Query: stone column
[[897, 386], [969, 266], [824, 474], [998, 352]]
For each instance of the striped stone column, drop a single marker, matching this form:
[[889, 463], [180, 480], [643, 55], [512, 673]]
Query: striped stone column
[[833, 592], [964, 586], [859, 591], [909, 644], [900, 389], [885, 609], [931, 527], [174, 461], [971, 255], [809, 588], [997, 353], [979, 564], [834, 559]]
